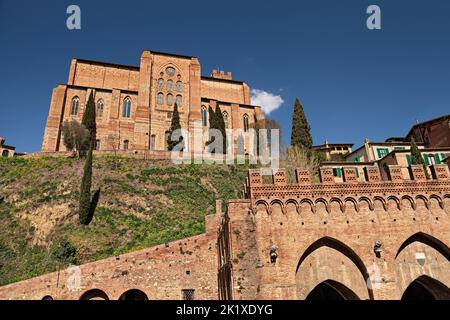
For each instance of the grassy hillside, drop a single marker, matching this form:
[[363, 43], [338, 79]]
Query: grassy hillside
[[142, 203]]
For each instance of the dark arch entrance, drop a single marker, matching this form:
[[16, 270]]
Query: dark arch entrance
[[47, 298], [426, 288], [94, 294], [331, 290], [133, 294]]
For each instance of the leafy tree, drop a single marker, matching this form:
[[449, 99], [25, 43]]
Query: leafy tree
[[89, 120], [301, 135], [64, 252], [416, 157], [75, 136], [175, 125]]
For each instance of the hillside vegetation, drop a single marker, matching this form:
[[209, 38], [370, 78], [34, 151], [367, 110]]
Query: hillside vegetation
[[142, 203]]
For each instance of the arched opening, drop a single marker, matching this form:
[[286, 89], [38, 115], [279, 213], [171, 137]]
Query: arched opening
[[47, 298], [436, 244], [133, 294], [331, 290], [337, 251], [426, 288], [94, 294]]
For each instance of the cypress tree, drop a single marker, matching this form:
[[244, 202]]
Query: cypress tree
[[85, 190], [416, 157], [175, 125], [256, 127], [220, 122], [212, 125], [301, 135], [89, 120]]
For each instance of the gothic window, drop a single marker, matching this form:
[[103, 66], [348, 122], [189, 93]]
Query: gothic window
[[225, 119], [100, 107], [169, 85], [169, 99], [179, 100], [245, 122], [160, 98], [125, 145], [97, 144], [204, 116], [179, 86], [160, 84], [170, 71], [75, 104], [126, 112], [152, 142]]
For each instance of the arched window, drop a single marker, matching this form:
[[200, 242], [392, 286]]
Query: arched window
[[125, 145], [245, 122], [160, 98], [126, 112], [225, 119], [5, 153], [169, 99], [100, 107], [170, 71], [179, 100], [204, 116], [97, 144], [160, 84], [152, 142], [179, 86], [75, 104], [169, 85]]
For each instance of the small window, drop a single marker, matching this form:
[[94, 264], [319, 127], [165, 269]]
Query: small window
[[225, 119], [170, 71], [169, 99], [188, 294], [152, 142], [5, 153], [169, 85], [160, 84], [382, 152], [97, 144], [160, 99], [431, 159], [126, 112], [74, 108], [100, 107], [179, 100], [245, 122], [179, 86], [125, 145], [204, 116], [169, 115]]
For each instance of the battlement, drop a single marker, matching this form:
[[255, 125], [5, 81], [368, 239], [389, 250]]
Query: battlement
[[221, 75], [415, 187]]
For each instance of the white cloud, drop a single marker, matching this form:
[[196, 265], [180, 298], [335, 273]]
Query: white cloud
[[268, 101]]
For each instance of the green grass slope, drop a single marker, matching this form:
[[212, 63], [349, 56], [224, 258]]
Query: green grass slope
[[142, 203]]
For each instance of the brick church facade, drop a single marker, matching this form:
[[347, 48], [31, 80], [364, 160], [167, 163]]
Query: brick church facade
[[134, 104]]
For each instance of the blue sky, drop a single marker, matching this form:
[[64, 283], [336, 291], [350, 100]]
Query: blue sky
[[353, 82]]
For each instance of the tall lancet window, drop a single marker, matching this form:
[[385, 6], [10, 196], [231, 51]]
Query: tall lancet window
[[126, 112], [74, 107]]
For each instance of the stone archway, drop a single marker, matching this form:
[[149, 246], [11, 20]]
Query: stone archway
[[331, 290], [133, 294], [330, 269], [94, 294], [426, 288]]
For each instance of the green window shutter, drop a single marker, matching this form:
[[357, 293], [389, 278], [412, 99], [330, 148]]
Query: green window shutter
[[339, 172], [357, 172], [425, 158], [438, 160], [443, 156], [408, 158]]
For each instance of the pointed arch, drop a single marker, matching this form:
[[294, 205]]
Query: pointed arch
[[426, 288], [94, 294], [427, 239], [345, 250]]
